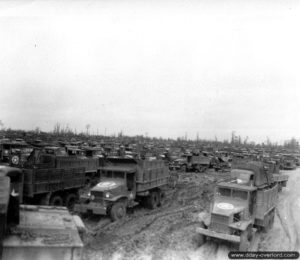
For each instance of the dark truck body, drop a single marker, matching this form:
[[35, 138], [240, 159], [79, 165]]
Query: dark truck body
[[198, 163], [247, 201], [124, 183], [14, 153], [52, 177]]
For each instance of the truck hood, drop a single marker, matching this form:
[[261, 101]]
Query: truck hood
[[227, 207], [108, 184]]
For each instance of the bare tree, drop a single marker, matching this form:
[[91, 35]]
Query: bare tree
[[87, 128]]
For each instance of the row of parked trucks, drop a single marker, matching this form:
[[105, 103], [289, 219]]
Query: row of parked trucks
[[50, 177]]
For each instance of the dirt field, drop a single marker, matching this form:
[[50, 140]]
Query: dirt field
[[168, 232]]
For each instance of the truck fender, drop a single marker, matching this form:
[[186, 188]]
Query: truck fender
[[114, 199], [204, 217]]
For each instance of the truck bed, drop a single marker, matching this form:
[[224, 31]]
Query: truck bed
[[43, 233], [151, 174], [38, 181], [280, 177], [266, 201], [90, 164]]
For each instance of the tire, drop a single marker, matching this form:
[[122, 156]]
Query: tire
[[244, 244], [200, 238], [56, 200], [88, 181], [118, 211], [159, 199], [153, 200], [250, 233], [70, 200], [266, 228], [15, 160]]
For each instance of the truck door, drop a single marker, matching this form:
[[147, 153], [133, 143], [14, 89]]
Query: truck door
[[130, 179]]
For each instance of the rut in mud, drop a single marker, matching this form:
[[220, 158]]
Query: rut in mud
[[168, 232], [155, 233]]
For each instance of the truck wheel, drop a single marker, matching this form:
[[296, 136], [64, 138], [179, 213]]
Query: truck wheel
[[200, 238], [70, 200], [159, 198], [153, 200], [88, 181], [266, 227], [244, 244], [118, 211], [56, 201], [250, 233], [15, 159]]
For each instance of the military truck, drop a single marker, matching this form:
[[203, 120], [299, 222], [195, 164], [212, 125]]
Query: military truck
[[246, 202], [35, 232], [124, 183], [279, 178], [198, 163], [14, 152], [53, 178]]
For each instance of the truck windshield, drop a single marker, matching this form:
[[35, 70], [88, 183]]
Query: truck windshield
[[239, 194], [113, 174], [224, 192]]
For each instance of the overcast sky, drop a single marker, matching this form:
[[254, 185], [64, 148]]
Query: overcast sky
[[164, 68]]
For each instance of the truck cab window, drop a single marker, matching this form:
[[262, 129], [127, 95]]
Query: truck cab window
[[239, 194], [224, 192]]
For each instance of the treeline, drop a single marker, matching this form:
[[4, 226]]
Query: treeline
[[65, 133]]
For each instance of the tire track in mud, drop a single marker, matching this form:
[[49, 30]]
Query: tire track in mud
[[284, 225], [153, 232]]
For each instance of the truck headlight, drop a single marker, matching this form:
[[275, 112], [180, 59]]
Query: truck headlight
[[92, 197], [107, 195]]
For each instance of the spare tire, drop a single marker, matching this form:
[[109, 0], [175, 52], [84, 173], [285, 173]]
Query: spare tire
[[15, 160]]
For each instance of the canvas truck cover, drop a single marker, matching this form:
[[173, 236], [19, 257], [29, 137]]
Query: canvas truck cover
[[265, 201], [151, 174], [262, 177], [202, 160]]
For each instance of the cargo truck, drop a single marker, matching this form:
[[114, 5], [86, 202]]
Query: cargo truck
[[246, 202], [280, 178], [35, 232], [124, 183], [50, 177]]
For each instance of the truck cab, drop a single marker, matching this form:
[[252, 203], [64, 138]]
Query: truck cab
[[113, 194], [246, 201]]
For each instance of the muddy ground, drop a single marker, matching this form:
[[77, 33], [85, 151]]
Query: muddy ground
[[168, 232]]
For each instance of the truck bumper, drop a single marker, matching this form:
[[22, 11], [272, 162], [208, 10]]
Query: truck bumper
[[94, 207], [222, 236]]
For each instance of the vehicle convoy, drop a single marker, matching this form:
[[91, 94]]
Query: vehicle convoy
[[246, 202], [50, 177], [124, 183], [35, 232]]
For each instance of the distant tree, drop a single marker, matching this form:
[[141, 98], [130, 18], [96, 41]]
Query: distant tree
[[57, 128], [87, 128]]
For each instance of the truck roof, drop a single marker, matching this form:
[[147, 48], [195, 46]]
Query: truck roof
[[236, 186]]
